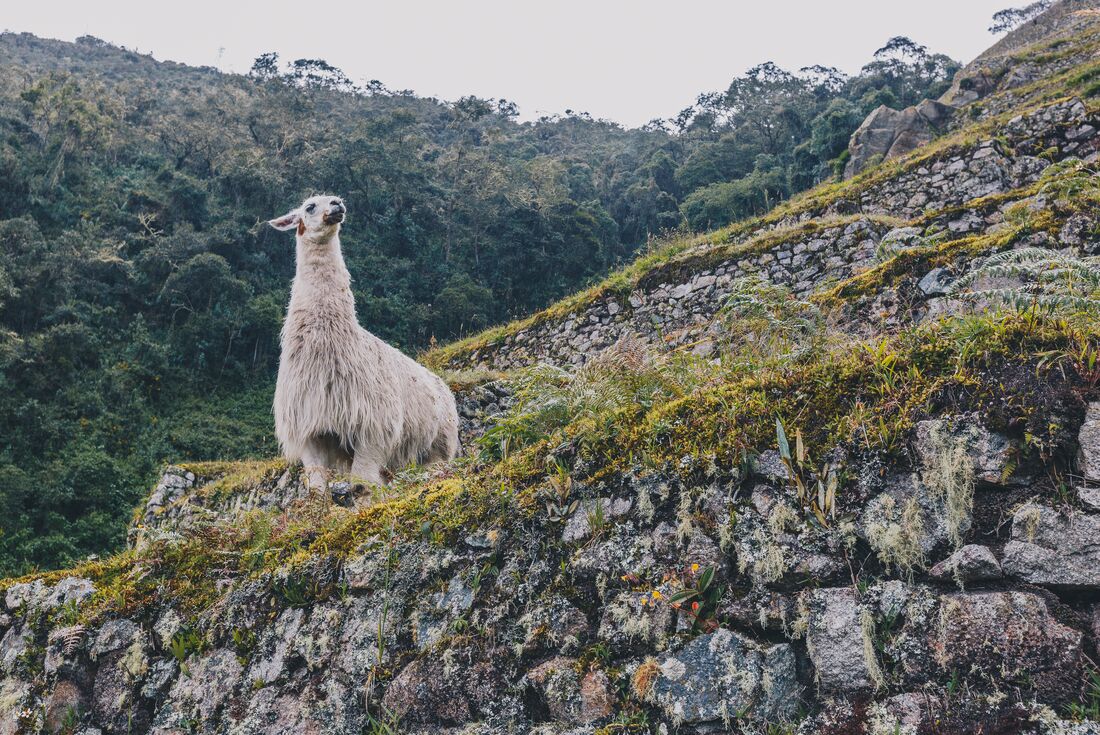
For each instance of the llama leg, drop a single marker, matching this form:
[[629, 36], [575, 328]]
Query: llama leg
[[367, 467], [316, 471]]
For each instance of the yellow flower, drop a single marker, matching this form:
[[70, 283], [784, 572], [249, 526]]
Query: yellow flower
[[694, 567], [656, 594]]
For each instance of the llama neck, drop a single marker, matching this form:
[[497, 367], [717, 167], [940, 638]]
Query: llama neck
[[321, 281]]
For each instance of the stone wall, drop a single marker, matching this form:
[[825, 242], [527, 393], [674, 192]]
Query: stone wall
[[679, 310], [422, 631]]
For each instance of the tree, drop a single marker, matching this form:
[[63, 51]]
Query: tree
[[1012, 18], [265, 67]]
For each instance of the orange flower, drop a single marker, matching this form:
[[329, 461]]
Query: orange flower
[[695, 607]]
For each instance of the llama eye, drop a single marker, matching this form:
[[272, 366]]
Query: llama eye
[[310, 208]]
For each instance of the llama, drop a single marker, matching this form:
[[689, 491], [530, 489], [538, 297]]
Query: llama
[[345, 400]]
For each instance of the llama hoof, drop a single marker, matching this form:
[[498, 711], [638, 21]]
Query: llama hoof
[[316, 479]]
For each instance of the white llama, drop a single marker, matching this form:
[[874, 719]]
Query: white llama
[[345, 400]]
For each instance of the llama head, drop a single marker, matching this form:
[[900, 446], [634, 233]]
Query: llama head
[[318, 216]]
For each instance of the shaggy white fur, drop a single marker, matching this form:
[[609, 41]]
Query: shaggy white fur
[[345, 400]]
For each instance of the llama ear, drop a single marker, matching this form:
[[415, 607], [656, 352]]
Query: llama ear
[[287, 221]]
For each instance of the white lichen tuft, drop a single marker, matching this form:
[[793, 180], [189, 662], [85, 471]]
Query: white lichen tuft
[[949, 473], [867, 630], [897, 539]]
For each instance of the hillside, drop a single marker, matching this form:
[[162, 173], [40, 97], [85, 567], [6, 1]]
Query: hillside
[[830, 469], [141, 295]]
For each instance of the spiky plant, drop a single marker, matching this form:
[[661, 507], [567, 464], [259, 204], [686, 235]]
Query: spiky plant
[[1037, 277]]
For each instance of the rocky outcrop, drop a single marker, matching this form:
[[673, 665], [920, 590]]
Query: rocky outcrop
[[1051, 547], [888, 133]]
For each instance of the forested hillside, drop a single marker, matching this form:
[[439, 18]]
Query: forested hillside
[[141, 295]]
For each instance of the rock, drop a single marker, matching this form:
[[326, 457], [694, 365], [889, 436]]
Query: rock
[[1054, 548], [971, 563], [206, 683], [1005, 636], [907, 522], [905, 714], [888, 133], [70, 590], [13, 645], [14, 696], [1088, 453], [993, 455], [422, 694], [21, 594], [64, 706], [555, 623], [571, 698], [1089, 497], [936, 282], [597, 697], [443, 607], [902, 237], [277, 643], [113, 636], [633, 620], [836, 642], [769, 465], [720, 674], [579, 525]]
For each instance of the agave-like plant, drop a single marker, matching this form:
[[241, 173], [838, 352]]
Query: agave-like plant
[[1048, 279]]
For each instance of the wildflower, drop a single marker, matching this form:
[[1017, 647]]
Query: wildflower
[[695, 607], [656, 594], [694, 568]]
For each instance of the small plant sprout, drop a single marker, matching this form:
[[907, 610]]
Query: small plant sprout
[[816, 491], [560, 507], [697, 596]]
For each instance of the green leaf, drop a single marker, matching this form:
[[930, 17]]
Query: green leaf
[[683, 595], [784, 447], [705, 579]]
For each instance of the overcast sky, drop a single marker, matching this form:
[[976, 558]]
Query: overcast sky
[[624, 60]]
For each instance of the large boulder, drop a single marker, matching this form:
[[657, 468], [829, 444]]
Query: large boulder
[[888, 133], [1011, 637], [720, 674], [1050, 547]]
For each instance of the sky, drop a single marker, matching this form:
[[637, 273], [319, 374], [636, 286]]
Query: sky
[[626, 61]]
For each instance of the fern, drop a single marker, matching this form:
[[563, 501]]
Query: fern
[[1050, 280], [765, 319], [70, 638]]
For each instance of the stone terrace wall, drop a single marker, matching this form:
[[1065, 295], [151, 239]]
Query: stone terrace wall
[[1028, 145], [680, 310]]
